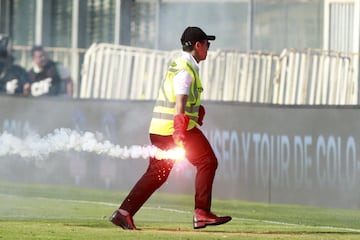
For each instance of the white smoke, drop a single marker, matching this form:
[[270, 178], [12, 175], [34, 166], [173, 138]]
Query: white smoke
[[64, 139]]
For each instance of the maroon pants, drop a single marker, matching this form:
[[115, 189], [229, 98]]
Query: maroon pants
[[198, 152]]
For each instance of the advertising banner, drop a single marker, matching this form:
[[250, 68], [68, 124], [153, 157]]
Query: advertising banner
[[267, 153]]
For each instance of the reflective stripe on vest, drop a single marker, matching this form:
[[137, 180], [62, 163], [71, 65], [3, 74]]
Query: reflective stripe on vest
[[166, 104], [168, 116]]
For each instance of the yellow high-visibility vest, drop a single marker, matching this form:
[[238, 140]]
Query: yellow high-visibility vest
[[162, 122]]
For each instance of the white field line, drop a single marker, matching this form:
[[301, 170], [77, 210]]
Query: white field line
[[241, 219], [188, 212], [299, 225]]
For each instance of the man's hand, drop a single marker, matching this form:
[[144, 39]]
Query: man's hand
[[201, 115], [11, 86], [181, 122]]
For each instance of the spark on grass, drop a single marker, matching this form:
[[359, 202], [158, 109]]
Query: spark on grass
[[64, 139]]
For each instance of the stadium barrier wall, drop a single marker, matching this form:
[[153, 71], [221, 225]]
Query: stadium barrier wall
[[267, 153]]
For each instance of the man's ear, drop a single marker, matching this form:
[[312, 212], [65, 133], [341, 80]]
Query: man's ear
[[197, 45]]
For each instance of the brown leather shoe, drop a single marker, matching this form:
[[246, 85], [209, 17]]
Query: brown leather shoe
[[203, 218], [125, 222]]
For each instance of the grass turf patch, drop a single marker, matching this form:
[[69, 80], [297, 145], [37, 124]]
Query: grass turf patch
[[56, 212]]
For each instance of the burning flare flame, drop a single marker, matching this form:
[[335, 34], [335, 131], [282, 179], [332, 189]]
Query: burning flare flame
[[176, 154]]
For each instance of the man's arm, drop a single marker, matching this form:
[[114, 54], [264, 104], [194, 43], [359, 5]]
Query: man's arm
[[180, 103], [181, 120]]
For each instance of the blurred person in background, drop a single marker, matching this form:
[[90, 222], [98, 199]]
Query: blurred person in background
[[48, 78], [176, 117], [14, 80]]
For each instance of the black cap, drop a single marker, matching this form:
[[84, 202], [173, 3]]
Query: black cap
[[191, 35]]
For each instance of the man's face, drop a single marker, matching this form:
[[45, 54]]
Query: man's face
[[40, 59], [202, 49]]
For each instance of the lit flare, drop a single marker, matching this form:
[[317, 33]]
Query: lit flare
[[177, 154]]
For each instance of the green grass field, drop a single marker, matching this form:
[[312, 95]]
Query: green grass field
[[56, 212]]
